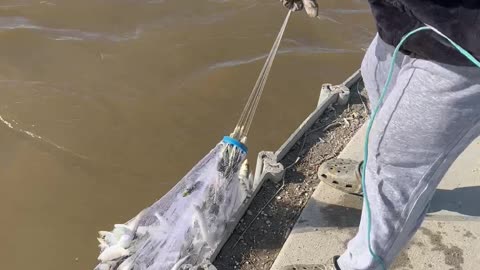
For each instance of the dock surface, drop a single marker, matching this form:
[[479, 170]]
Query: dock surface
[[448, 239]]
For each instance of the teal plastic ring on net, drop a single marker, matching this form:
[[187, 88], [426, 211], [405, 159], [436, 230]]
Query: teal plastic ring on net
[[234, 142]]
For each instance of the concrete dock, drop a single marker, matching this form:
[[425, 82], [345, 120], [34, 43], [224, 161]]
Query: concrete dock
[[448, 239]]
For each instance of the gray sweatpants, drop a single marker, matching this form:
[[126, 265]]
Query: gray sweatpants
[[430, 114]]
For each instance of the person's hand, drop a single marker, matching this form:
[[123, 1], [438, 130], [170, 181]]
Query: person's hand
[[310, 6]]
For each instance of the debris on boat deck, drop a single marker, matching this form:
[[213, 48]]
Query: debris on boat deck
[[259, 236]]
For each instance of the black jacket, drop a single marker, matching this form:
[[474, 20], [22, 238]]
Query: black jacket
[[457, 19]]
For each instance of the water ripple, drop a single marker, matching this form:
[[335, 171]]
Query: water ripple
[[16, 23], [299, 50]]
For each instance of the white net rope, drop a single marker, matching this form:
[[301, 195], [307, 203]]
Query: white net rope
[[184, 228], [246, 118]]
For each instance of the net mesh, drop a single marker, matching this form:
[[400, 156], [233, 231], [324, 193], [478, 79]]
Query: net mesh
[[185, 227]]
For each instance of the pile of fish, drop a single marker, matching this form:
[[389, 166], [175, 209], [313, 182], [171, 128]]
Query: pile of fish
[[185, 227]]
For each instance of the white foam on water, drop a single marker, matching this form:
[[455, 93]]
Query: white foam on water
[[11, 23], [297, 49], [40, 138]]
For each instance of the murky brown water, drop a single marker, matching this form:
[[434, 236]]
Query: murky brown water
[[104, 105]]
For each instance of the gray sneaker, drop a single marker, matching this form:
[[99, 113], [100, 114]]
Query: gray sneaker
[[342, 174]]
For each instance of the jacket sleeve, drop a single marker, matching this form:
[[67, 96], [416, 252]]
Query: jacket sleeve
[[457, 19]]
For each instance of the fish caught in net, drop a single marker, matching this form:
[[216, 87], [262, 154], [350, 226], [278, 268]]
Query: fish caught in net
[[183, 228]]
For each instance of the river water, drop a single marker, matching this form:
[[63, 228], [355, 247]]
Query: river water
[[105, 104]]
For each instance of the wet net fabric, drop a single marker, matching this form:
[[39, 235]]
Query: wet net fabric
[[184, 228]]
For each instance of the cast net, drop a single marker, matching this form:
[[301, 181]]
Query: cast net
[[185, 228]]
